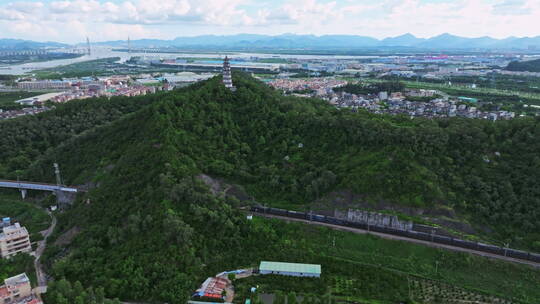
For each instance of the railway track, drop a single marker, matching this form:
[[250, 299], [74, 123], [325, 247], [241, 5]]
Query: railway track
[[399, 238]]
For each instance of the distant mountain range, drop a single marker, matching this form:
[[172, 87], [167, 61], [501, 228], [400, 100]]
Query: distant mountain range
[[291, 41], [312, 42], [18, 44]]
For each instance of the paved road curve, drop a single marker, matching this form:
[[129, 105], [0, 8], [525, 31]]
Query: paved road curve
[[400, 238]]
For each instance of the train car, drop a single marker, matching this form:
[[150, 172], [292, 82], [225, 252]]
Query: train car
[[380, 229], [335, 221], [391, 230], [296, 214], [442, 239], [277, 211], [363, 226], [355, 225], [318, 218], [256, 209], [411, 234], [517, 254], [535, 257], [350, 224], [490, 248], [401, 233], [423, 236], [465, 244]]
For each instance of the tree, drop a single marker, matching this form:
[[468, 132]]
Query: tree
[[279, 298], [291, 298]]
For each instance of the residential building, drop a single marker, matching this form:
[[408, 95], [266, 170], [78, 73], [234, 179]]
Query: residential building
[[44, 84], [17, 290], [14, 239], [212, 288]]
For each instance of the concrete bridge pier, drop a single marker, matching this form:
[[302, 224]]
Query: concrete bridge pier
[[65, 198], [23, 193]]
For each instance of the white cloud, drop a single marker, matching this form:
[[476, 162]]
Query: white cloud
[[26, 7], [72, 20]]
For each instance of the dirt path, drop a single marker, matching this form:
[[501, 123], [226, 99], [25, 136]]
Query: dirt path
[[400, 238], [40, 274]]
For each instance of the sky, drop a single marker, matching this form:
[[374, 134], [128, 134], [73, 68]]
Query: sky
[[103, 20]]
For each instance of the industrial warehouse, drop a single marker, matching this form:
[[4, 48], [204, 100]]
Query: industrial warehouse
[[290, 269]]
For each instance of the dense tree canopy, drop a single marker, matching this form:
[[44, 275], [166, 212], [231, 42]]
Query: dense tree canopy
[[151, 230], [521, 66]]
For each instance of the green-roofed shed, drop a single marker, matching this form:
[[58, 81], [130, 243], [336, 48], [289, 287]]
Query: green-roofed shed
[[290, 269]]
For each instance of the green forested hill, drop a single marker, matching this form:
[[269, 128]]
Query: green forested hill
[[296, 150], [524, 66], [30, 136], [150, 230]]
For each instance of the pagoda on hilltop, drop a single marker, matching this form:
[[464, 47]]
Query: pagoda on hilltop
[[227, 77]]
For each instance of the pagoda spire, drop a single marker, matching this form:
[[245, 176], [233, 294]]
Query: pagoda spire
[[227, 77]]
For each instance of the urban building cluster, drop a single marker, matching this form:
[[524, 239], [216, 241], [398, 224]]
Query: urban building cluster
[[397, 103], [436, 67], [18, 290], [434, 104], [211, 64], [85, 87], [319, 85], [21, 112], [14, 239]]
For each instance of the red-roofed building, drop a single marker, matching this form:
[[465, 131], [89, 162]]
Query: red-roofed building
[[17, 290], [212, 288]]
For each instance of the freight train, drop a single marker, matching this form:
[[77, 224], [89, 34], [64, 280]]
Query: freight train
[[508, 252]]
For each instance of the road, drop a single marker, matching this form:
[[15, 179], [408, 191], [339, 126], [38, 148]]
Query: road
[[400, 238], [40, 274]]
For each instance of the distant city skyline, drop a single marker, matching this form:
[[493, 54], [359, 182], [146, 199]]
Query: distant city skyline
[[72, 21]]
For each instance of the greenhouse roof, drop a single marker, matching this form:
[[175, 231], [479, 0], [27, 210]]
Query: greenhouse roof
[[290, 267]]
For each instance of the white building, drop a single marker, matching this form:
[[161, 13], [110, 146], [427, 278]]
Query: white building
[[14, 239], [43, 84], [290, 269]]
